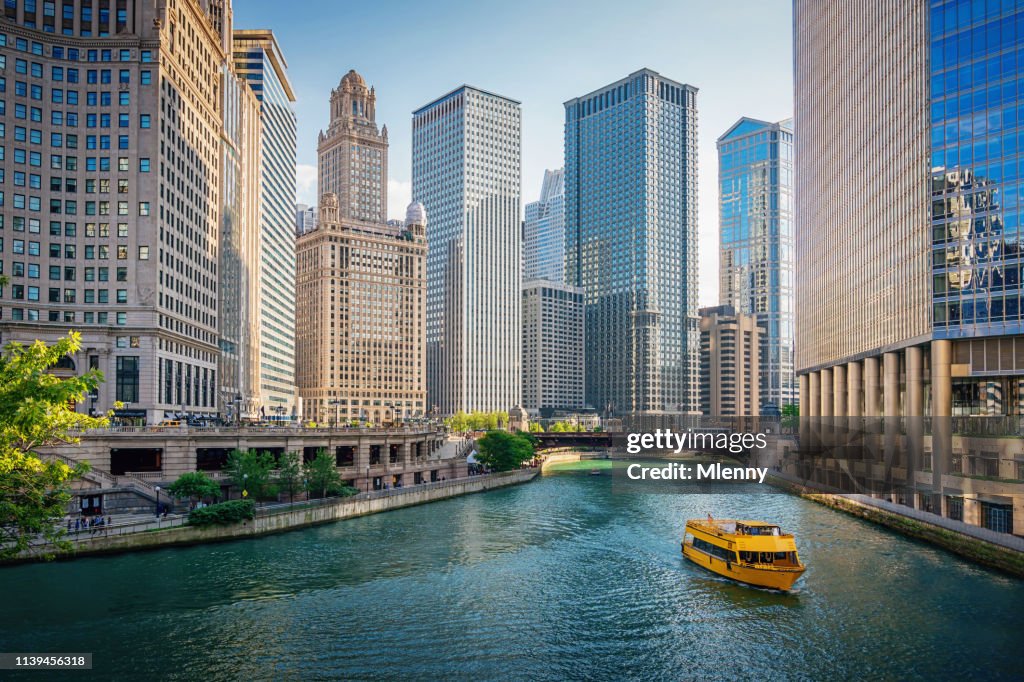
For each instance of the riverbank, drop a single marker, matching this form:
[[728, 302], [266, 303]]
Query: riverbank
[[977, 549], [287, 518]]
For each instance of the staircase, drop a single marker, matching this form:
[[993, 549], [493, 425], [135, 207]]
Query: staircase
[[107, 481]]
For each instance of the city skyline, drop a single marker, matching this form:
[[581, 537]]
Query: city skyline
[[731, 84]]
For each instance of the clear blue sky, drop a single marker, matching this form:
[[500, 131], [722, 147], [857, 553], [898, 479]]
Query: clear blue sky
[[737, 52]]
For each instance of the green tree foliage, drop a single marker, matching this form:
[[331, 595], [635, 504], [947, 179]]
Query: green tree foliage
[[223, 514], [790, 416], [535, 427], [194, 485], [36, 410], [461, 422], [250, 470], [322, 474], [503, 451], [289, 474]]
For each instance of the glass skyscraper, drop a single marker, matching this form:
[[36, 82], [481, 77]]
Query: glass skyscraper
[[544, 231], [466, 171], [259, 61], [631, 241], [755, 176]]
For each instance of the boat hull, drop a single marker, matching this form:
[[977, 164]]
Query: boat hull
[[773, 579]]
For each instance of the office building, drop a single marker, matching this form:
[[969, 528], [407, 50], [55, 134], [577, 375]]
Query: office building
[[466, 172], [361, 318], [730, 362], [352, 155], [907, 289], [755, 178], [631, 241], [118, 107], [258, 60], [544, 231], [239, 253], [552, 347], [305, 218]]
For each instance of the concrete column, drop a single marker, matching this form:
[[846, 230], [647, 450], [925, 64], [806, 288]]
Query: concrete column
[[891, 385], [872, 396], [853, 388], [826, 393], [942, 411], [804, 381], [915, 414], [839, 390], [915, 381], [814, 395]]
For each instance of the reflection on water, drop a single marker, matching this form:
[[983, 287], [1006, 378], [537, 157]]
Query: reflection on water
[[552, 580]]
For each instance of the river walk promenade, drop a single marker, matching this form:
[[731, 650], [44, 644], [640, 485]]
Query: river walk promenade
[[274, 518]]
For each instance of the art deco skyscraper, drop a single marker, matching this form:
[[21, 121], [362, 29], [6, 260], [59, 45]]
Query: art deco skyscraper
[[466, 172], [631, 241], [352, 155], [755, 179]]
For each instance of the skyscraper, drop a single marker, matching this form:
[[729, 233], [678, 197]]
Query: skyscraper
[[552, 346], [129, 133], [730, 363], [360, 318], [352, 156], [305, 218], [259, 61], [908, 289], [631, 241], [544, 231], [466, 172], [755, 177]]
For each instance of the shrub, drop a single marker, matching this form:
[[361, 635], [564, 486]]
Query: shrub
[[223, 514]]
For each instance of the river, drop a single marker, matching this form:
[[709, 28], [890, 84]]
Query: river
[[556, 579]]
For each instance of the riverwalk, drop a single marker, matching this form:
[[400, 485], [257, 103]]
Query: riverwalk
[[272, 518]]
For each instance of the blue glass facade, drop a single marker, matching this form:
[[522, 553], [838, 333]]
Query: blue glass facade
[[977, 139], [755, 175], [631, 241]]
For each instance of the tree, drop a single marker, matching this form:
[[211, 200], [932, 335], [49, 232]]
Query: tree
[[36, 410], [289, 473], [503, 451], [535, 427], [790, 416], [250, 471], [501, 416], [322, 474], [194, 484]]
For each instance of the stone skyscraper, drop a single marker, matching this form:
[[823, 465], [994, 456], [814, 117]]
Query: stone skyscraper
[[352, 155], [755, 205], [631, 241], [122, 241], [466, 171]]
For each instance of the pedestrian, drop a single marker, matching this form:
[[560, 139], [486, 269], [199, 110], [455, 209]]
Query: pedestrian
[[77, 525], [109, 521], [69, 524]]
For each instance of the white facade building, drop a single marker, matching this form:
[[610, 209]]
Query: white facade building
[[553, 346], [466, 171]]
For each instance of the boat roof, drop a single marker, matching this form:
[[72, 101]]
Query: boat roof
[[742, 522]]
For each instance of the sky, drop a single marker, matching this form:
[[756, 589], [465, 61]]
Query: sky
[[737, 53]]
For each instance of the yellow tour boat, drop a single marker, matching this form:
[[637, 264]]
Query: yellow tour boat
[[751, 552]]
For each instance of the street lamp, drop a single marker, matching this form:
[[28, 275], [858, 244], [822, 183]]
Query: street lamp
[[367, 478], [157, 488], [245, 492]]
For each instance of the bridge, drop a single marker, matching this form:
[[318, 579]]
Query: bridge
[[575, 439]]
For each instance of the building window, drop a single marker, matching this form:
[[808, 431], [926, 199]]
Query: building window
[[128, 379]]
